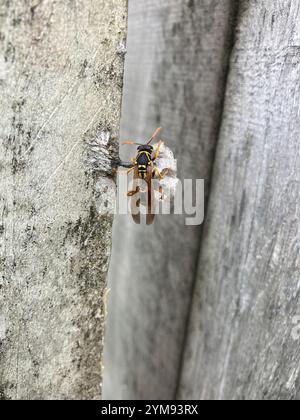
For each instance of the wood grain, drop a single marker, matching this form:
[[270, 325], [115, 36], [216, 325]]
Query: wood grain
[[239, 343], [175, 76]]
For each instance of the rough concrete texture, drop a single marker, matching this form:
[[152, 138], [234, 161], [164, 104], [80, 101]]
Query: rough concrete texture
[[61, 70]]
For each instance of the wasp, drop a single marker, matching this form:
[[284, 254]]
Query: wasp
[[144, 168]]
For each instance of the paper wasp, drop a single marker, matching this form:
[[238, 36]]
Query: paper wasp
[[144, 168]]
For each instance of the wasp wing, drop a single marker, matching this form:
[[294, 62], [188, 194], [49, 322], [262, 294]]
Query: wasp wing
[[135, 204], [151, 197]]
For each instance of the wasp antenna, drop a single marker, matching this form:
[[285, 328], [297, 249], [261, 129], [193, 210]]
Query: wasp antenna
[[157, 131], [131, 143]]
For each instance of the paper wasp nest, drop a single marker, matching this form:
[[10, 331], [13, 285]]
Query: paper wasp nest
[[169, 183], [166, 160]]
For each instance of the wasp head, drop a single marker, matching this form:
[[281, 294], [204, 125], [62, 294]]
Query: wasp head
[[145, 148]]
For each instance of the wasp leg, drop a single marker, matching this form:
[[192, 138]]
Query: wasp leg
[[134, 192], [135, 211], [161, 174], [157, 151], [162, 194]]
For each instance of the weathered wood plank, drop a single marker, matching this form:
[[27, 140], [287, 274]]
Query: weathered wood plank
[[175, 76], [60, 81], [247, 292]]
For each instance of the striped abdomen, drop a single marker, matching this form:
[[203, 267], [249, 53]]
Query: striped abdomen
[[143, 160]]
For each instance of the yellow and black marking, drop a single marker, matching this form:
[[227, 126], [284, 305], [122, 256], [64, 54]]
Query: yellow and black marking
[[144, 167], [143, 160]]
